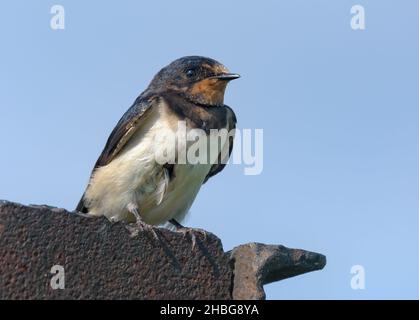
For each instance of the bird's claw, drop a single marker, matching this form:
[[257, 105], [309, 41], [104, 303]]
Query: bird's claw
[[191, 232], [141, 226]]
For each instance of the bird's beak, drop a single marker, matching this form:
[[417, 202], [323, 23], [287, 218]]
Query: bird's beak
[[227, 76]]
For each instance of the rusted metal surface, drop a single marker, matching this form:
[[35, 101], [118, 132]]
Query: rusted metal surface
[[257, 264], [102, 261]]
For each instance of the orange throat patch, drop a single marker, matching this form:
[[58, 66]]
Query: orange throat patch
[[208, 91]]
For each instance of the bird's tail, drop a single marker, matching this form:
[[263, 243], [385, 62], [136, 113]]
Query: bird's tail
[[81, 206]]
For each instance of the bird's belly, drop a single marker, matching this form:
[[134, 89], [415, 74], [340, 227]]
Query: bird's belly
[[180, 194], [135, 177]]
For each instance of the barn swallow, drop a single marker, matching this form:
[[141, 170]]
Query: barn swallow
[[127, 183]]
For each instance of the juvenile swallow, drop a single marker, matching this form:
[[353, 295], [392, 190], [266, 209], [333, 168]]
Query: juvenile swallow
[[128, 182]]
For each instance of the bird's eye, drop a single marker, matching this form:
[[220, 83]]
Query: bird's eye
[[190, 73]]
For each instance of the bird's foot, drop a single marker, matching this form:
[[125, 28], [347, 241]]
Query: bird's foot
[[140, 226], [191, 232]]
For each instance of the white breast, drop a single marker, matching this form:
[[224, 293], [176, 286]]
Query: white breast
[[135, 177]]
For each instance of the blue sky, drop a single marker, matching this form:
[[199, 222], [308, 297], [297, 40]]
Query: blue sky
[[339, 109]]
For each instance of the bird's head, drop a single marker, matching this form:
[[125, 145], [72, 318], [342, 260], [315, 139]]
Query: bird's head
[[201, 80]]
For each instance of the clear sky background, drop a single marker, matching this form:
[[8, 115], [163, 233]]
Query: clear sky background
[[339, 109]]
